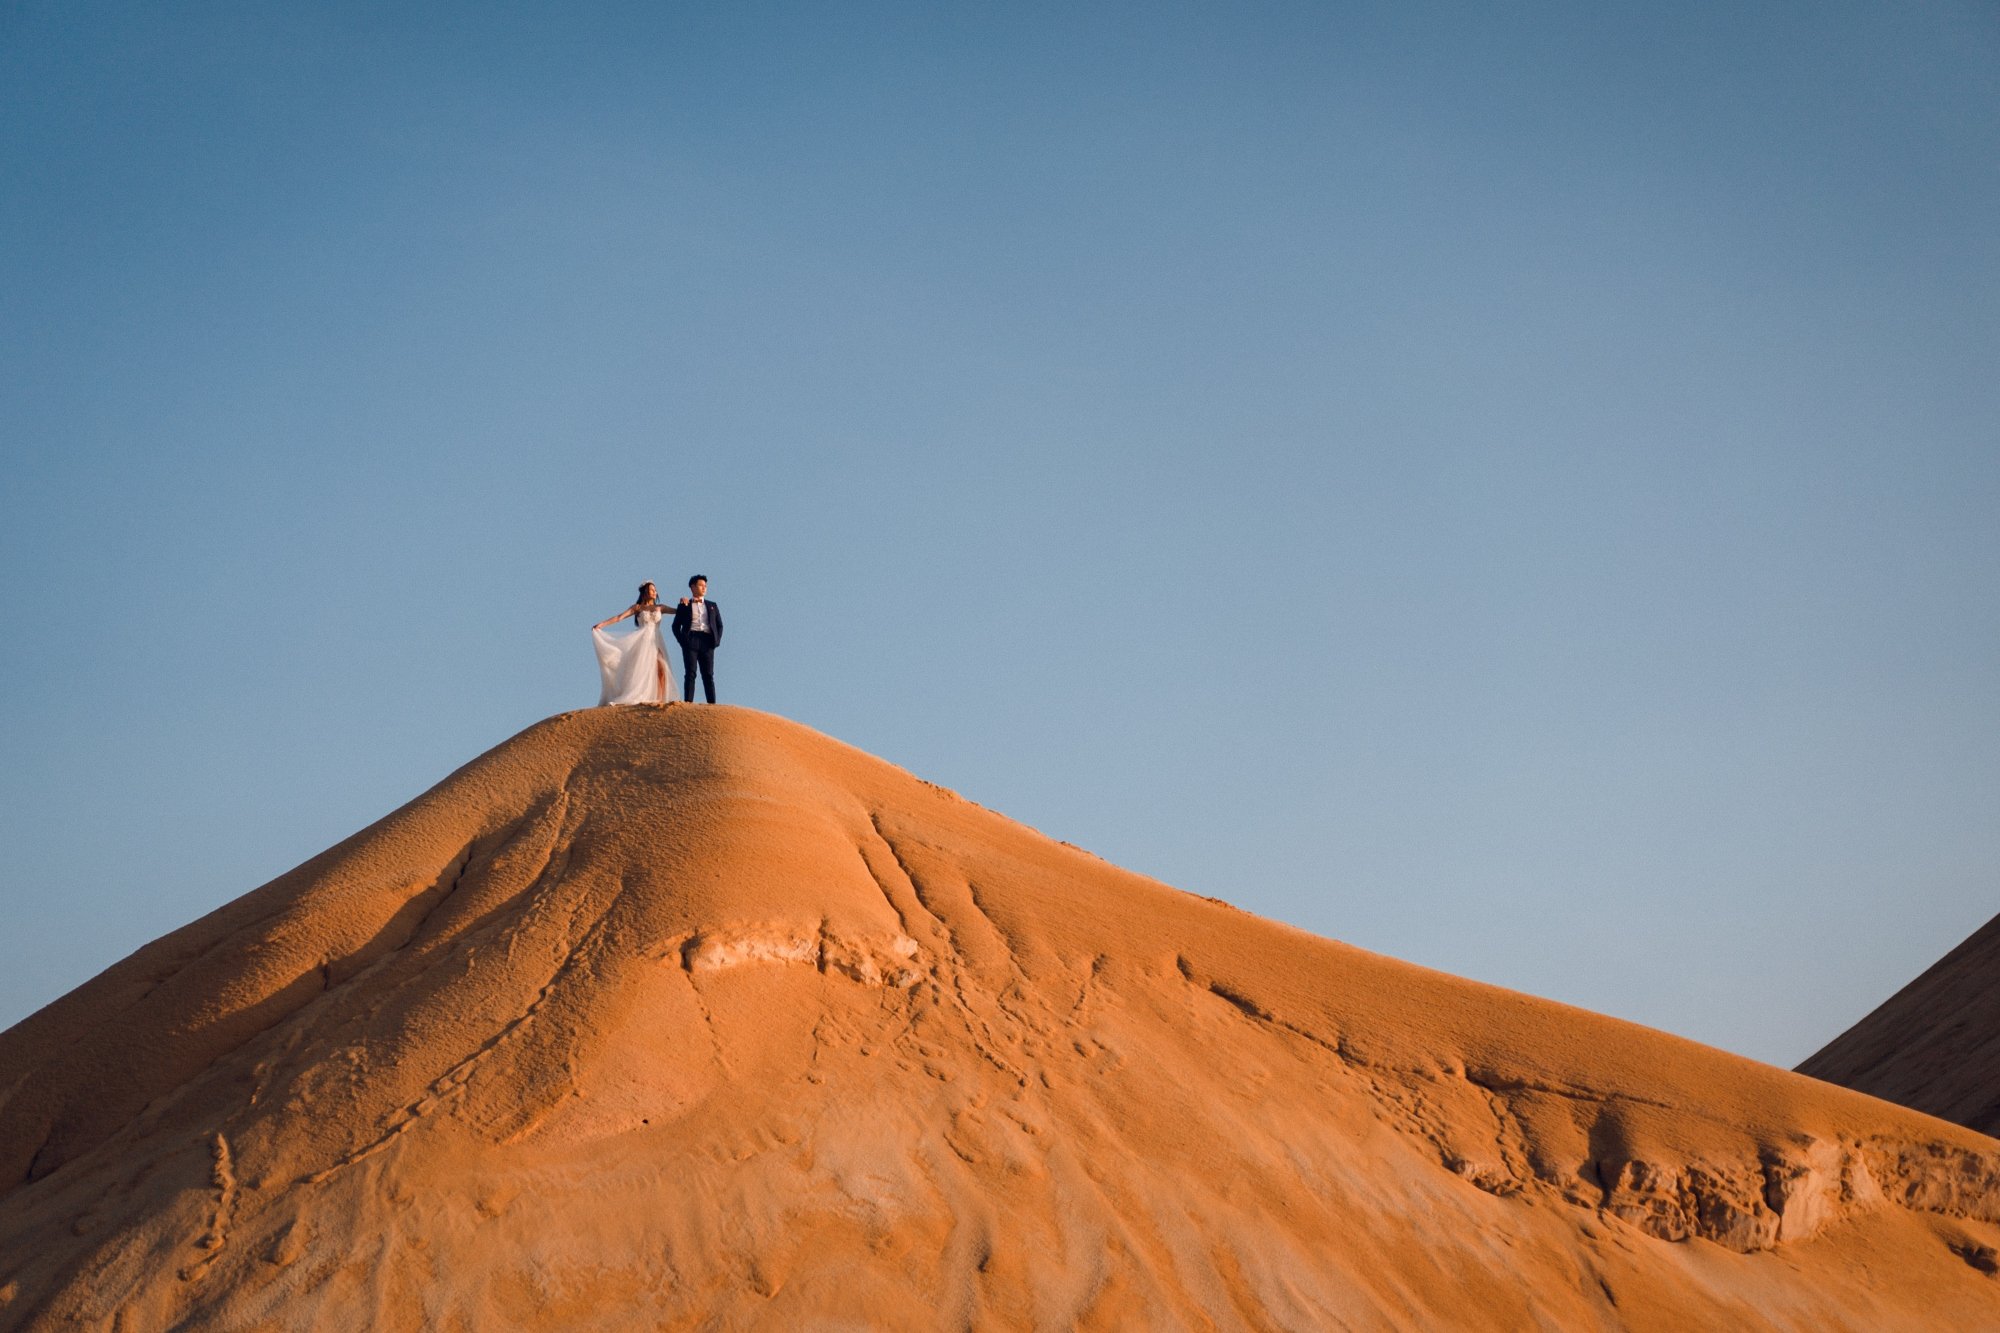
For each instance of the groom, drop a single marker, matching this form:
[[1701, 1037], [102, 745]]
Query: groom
[[698, 630]]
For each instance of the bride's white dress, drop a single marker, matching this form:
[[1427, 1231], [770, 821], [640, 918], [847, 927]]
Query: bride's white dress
[[634, 665]]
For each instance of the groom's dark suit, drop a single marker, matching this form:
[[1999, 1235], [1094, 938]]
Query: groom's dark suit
[[698, 647]]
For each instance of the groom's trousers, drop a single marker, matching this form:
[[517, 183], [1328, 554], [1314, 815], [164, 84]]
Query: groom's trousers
[[698, 653]]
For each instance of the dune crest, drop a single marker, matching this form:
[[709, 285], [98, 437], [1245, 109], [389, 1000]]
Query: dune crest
[[674, 1017], [1935, 1044]]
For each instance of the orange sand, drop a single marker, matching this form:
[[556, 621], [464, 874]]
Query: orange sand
[[694, 1017]]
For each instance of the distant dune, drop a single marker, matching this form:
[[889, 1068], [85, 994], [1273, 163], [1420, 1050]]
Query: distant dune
[[696, 1018], [1933, 1045]]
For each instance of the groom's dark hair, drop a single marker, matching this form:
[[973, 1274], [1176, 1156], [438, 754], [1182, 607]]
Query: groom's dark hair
[[697, 578]]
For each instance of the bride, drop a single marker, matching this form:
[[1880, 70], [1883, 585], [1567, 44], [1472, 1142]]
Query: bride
[[634, 666]]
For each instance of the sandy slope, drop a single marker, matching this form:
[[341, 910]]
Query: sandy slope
[[652, 1018], [1935, 1044]]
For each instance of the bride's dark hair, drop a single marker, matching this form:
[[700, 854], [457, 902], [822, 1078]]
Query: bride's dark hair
[[642, 592]]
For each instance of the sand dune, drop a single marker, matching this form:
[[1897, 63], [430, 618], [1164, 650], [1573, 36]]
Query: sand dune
[[695, 1017], [1933, 1045]]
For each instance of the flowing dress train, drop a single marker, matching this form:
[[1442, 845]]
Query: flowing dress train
[[634, 665]]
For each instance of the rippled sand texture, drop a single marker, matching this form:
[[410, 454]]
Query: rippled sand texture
[[694, 1017]]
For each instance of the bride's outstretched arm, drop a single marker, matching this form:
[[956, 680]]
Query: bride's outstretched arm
[[615, 619]]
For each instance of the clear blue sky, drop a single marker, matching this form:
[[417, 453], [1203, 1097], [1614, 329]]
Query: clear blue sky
[[1518, 492]]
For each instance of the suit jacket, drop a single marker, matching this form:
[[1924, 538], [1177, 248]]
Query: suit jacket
[[684, 619]]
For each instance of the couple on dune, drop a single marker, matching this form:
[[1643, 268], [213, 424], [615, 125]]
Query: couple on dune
[[634, 666]]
